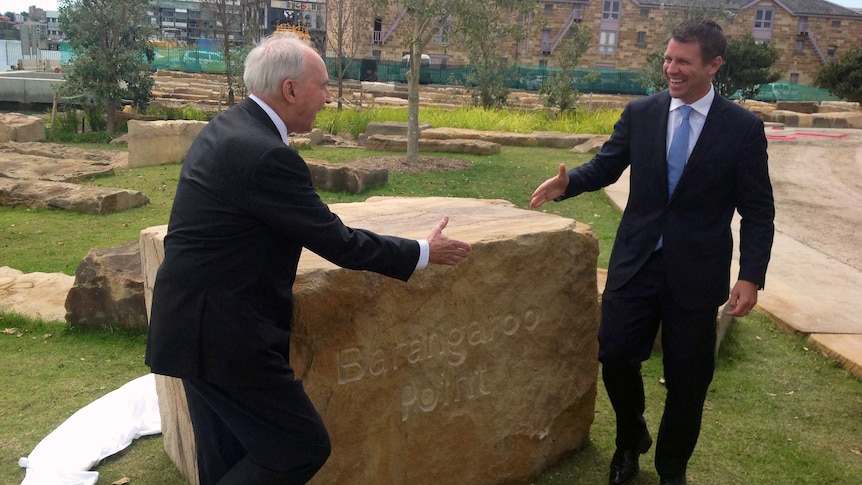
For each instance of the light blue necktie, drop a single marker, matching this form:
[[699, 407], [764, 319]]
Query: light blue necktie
[[678, 153]]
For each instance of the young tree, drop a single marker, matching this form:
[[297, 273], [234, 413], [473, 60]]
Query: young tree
[[747, 65], [843, 77], [482, 27], [110, 53], [346, 19], [560, 90], [424, 18], [227, 23]]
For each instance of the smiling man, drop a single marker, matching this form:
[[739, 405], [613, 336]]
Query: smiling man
[[695, 158]]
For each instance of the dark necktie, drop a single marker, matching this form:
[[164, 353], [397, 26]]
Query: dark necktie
[[678, 153]]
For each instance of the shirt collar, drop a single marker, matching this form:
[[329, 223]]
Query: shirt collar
[[279, 124], [701, 105]]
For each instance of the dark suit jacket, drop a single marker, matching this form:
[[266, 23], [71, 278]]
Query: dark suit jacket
[[244, 209], [727, 171]]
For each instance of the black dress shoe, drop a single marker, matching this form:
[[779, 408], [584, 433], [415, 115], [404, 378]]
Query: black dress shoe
[[624, 465], [680, 480]]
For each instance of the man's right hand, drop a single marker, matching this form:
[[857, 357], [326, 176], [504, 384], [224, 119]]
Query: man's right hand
[[443, 249], [551, 188]]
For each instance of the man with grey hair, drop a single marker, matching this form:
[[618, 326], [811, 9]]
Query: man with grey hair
[[222, 302]]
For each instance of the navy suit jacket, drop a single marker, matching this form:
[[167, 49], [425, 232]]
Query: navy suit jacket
[[244, 209], [726, 171]]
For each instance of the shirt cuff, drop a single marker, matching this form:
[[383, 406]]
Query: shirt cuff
[[424, 254]]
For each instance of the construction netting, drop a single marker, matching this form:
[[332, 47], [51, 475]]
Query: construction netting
[[209, 59]]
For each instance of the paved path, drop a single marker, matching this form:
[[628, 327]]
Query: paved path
[[808, 290]]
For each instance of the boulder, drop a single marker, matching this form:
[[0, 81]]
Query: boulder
[[807, 107], [38, 194], [34, 166], [551, 139], [160, 142], [344, 177], [21, 127], [592, 145], [397, 128], [484, 373], [391, 143], [108, 289], [36, 295]]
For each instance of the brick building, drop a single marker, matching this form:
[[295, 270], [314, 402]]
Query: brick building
[[807, 33]]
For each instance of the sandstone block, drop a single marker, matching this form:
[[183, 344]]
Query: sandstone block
[[73, 197], [108, 289], [159, 142], [391, 143], [20, 127], [37, 295], [592, 145], [481, 374], [391, 128], [807, 107], [344, 178]]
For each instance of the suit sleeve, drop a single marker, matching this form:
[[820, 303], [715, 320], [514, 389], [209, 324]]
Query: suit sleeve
[[756, 208], [608, 165], [282, 195]]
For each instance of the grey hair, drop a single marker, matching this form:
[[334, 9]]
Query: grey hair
[[274, 59]]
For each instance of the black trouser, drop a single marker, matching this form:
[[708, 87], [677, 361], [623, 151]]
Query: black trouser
[[630, 322], [253, 435]]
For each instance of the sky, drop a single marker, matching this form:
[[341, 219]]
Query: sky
[[24, 5]]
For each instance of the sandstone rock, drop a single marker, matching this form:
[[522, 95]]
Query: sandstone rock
[[108, 289], [551, 139], [159, 142], [397, 128], [36, 295], [484, 373], [344, 178], [73, 197], [807, 107], [392, 143], [593, 145], [39, 167], [21, 127]]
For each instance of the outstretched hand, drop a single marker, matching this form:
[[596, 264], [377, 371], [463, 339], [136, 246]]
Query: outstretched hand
[[551, 188], [443, 249]]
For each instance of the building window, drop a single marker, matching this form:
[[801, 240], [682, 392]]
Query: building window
[[611, 9], [800, 45], [549, 9], [645, 13], [378, 30], [607, 42], [543, 63], [836, 24], [546, 42], [794, 78], [605, 65], [830, 51], [375, 53], [641, 42], [763, 19]]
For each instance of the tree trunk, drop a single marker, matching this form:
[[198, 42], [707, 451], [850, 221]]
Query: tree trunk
[[111, 116], [413, 101]]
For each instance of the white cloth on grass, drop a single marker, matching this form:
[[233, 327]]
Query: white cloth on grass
[[98, 430]]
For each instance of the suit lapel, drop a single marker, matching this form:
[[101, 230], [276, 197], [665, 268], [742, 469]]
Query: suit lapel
[[711, 134]]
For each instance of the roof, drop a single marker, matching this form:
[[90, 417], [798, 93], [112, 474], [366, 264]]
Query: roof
[[795, 7]]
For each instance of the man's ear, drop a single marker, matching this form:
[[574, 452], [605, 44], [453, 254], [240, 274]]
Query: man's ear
[[287, 90], [715, 64]]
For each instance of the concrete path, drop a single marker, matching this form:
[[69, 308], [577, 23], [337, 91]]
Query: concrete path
[[807, 290]]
